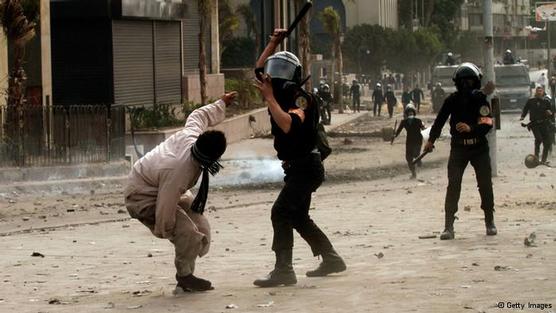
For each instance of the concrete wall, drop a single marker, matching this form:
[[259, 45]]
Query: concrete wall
[[240, 127], [3, 67], [192, 87]]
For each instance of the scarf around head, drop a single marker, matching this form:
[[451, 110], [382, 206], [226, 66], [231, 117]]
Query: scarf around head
[[208, 165]]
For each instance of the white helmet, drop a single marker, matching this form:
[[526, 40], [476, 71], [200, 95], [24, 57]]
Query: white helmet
[[409, 107]]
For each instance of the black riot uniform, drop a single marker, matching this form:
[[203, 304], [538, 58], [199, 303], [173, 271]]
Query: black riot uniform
[[304, 173], [540, 114], [391, 100], [355, 92], [467, 105], [378, 99], [414, 139], [326, 110]]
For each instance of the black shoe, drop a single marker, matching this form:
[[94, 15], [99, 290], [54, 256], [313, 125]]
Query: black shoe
[[282, 274], [192, 283], [331, 263], [277, 277], [447, 234], [489, 224]]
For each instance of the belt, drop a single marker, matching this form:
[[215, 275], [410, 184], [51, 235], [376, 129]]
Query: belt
[[303, 160], [469, 141]]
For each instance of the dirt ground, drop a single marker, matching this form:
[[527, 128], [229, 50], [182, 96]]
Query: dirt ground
[[96, 259]]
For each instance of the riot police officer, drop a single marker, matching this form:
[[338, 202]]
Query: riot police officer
[[413, 127], [540, 114], [326, 96], [391, 100], [438, 95], [294, 118], [470, 121], [378, 99]]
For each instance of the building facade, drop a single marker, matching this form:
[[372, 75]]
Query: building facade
[[374, 12], [510, 17]]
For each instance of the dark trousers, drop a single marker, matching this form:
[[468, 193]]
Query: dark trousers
[[377, 106], [542, 135], [391, 109], [356, 103], [412, 150], [326, 114], [418, 105], [479, 158], [291, 208]]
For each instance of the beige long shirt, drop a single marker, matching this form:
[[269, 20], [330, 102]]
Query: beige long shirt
[[169, 170]]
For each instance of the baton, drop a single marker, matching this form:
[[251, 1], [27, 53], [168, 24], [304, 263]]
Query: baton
[[393, 136], [299, 16], [420, 157]]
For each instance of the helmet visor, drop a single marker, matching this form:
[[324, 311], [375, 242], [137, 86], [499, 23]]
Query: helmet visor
[[279, 68]]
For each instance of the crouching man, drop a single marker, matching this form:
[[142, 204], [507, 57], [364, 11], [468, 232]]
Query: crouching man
[[157, 192]]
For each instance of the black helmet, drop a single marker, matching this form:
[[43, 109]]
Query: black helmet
[[468, 70], [283, 65]]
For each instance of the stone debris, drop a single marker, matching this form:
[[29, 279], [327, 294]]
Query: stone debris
[[529, 241], [379, 255], [231, 306], [265, 305], [427, 237], [37, 254]]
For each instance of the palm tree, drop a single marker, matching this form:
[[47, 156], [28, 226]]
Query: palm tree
[[19, 31], [331, 22], [249, 18], [205, 10], [304, 44]]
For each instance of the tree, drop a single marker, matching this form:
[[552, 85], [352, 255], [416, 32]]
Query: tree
[[249, 18], [205, 10], [19, 31], [331, 22], [228, 23], [304, 42]]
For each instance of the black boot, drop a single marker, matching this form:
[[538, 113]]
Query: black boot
[[282, 274], [448, 233], [331, 263], [192, 283], [489, 223]]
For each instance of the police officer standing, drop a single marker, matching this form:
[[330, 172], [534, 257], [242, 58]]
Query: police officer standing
[[391, 100], [293, 116], [378, 99], [326, 96], [470, 121], [355, 93], [406, 97], [540, 114]]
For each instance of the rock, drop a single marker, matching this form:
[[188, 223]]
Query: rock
[[70, 210], [125, 226], [231, 306], [37, 254], [467, 208], [427, 236], [475, 264], [542, 175], [380, 255], [529, 241], [25, 219], [265, 305], [150, 255], [121, 211], [133, 307], [54, 301], [500, 268]]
